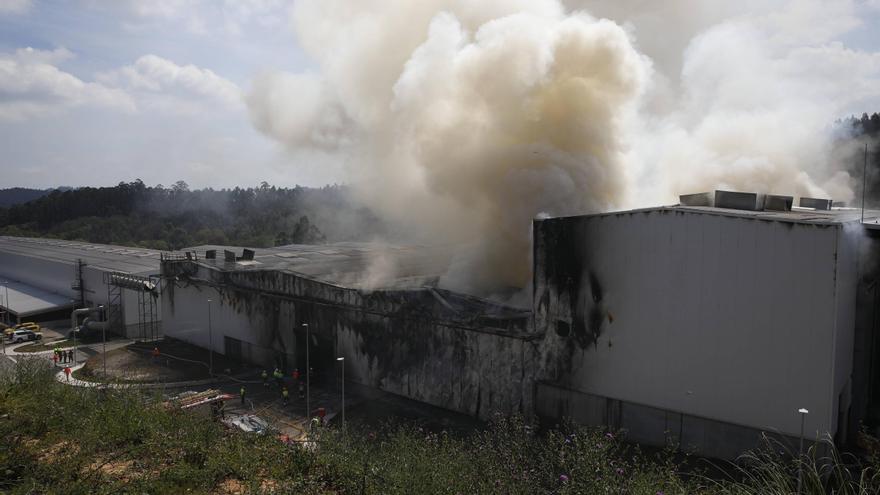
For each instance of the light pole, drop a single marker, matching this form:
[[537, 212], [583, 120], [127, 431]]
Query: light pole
[[75, 327], [803, 412], [342, 360], [210, 343], [6, 286], [308, 374], [104, 338]]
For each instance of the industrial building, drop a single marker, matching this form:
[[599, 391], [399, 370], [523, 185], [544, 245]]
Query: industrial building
[[705, 325], [42, 280], [701, 324]]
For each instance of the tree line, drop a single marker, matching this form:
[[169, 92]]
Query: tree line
[[175, 217]]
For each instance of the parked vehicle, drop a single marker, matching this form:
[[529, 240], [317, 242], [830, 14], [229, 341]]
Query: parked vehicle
[[248, 423], [21, 326], [25, 336]]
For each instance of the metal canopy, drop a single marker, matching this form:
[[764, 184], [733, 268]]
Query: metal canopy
[[26, 300]]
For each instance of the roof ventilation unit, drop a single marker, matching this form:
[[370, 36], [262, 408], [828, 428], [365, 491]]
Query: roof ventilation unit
[[211, 254], [698, 199], [774, 202], [815, 203], [247, 255], [739, 200], [229, 256]]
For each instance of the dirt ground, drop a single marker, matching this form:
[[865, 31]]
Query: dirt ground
[[177, 361]]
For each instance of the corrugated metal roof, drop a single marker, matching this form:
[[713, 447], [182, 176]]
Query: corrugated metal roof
[[104, 256], [26, 300]]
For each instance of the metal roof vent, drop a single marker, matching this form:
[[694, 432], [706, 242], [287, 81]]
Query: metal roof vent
[[815, 203], [739, 200], [774, 202], [698, 199]]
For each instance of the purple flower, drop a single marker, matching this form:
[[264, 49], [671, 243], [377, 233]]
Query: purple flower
[[610, 435], [620, 471], [563, 478], [660, 492]]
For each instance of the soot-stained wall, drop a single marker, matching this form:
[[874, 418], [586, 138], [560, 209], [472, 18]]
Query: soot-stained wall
[[441, 348], [733, 319]]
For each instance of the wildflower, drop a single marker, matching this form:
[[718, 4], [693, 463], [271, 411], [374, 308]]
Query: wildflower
[[563, 478], [610, 435], [620, 471]]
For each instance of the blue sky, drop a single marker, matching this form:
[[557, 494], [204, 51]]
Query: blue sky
[[98, 92], [93, 92]]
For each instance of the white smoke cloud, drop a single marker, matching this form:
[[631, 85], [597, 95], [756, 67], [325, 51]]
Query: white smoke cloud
[[465, 120]]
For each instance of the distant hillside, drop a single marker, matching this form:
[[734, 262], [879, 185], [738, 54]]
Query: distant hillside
[[19, 195], [171, 218]]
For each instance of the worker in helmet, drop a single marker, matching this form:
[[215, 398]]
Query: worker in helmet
[[285, 395], [265, 377]]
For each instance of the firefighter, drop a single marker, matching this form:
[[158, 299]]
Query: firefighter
[[67, 372], [279, 377], [55, 359], [241, 392], [295, 374], [284, 396], [69, 356], [265, 377]]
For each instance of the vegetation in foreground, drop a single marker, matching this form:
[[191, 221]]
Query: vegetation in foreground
[[60, 439]]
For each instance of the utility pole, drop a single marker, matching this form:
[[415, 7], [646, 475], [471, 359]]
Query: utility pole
[[210, 342]]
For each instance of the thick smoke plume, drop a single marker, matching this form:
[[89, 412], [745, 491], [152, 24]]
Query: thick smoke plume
[[463, 121]]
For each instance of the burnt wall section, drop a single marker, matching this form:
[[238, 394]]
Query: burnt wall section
[[737, 320], [446, 349]]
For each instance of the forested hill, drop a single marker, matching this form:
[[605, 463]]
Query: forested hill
[[850, 151], [18, 195], [172, 218]]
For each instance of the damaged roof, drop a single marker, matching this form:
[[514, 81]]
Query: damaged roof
[[359, 265]]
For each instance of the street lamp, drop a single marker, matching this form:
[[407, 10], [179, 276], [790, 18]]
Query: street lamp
[[210, 343], [104, 338], [308, 374], [73, 303], [342, 360], [6, 286], [803, 412]]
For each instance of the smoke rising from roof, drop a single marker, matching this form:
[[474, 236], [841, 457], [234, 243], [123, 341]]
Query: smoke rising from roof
[[463, 121]]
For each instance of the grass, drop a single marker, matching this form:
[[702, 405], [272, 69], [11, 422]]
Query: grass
[[125, 442]]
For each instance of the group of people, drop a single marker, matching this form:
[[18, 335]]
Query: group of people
[[278, 376], [62, 356]]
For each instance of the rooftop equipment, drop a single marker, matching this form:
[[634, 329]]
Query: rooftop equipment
[[816, 203], [698, 199], [739, 200], [774, 202]]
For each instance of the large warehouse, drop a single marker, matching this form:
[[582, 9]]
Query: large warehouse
[[46, 278], [707, 324], [701, 324]]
